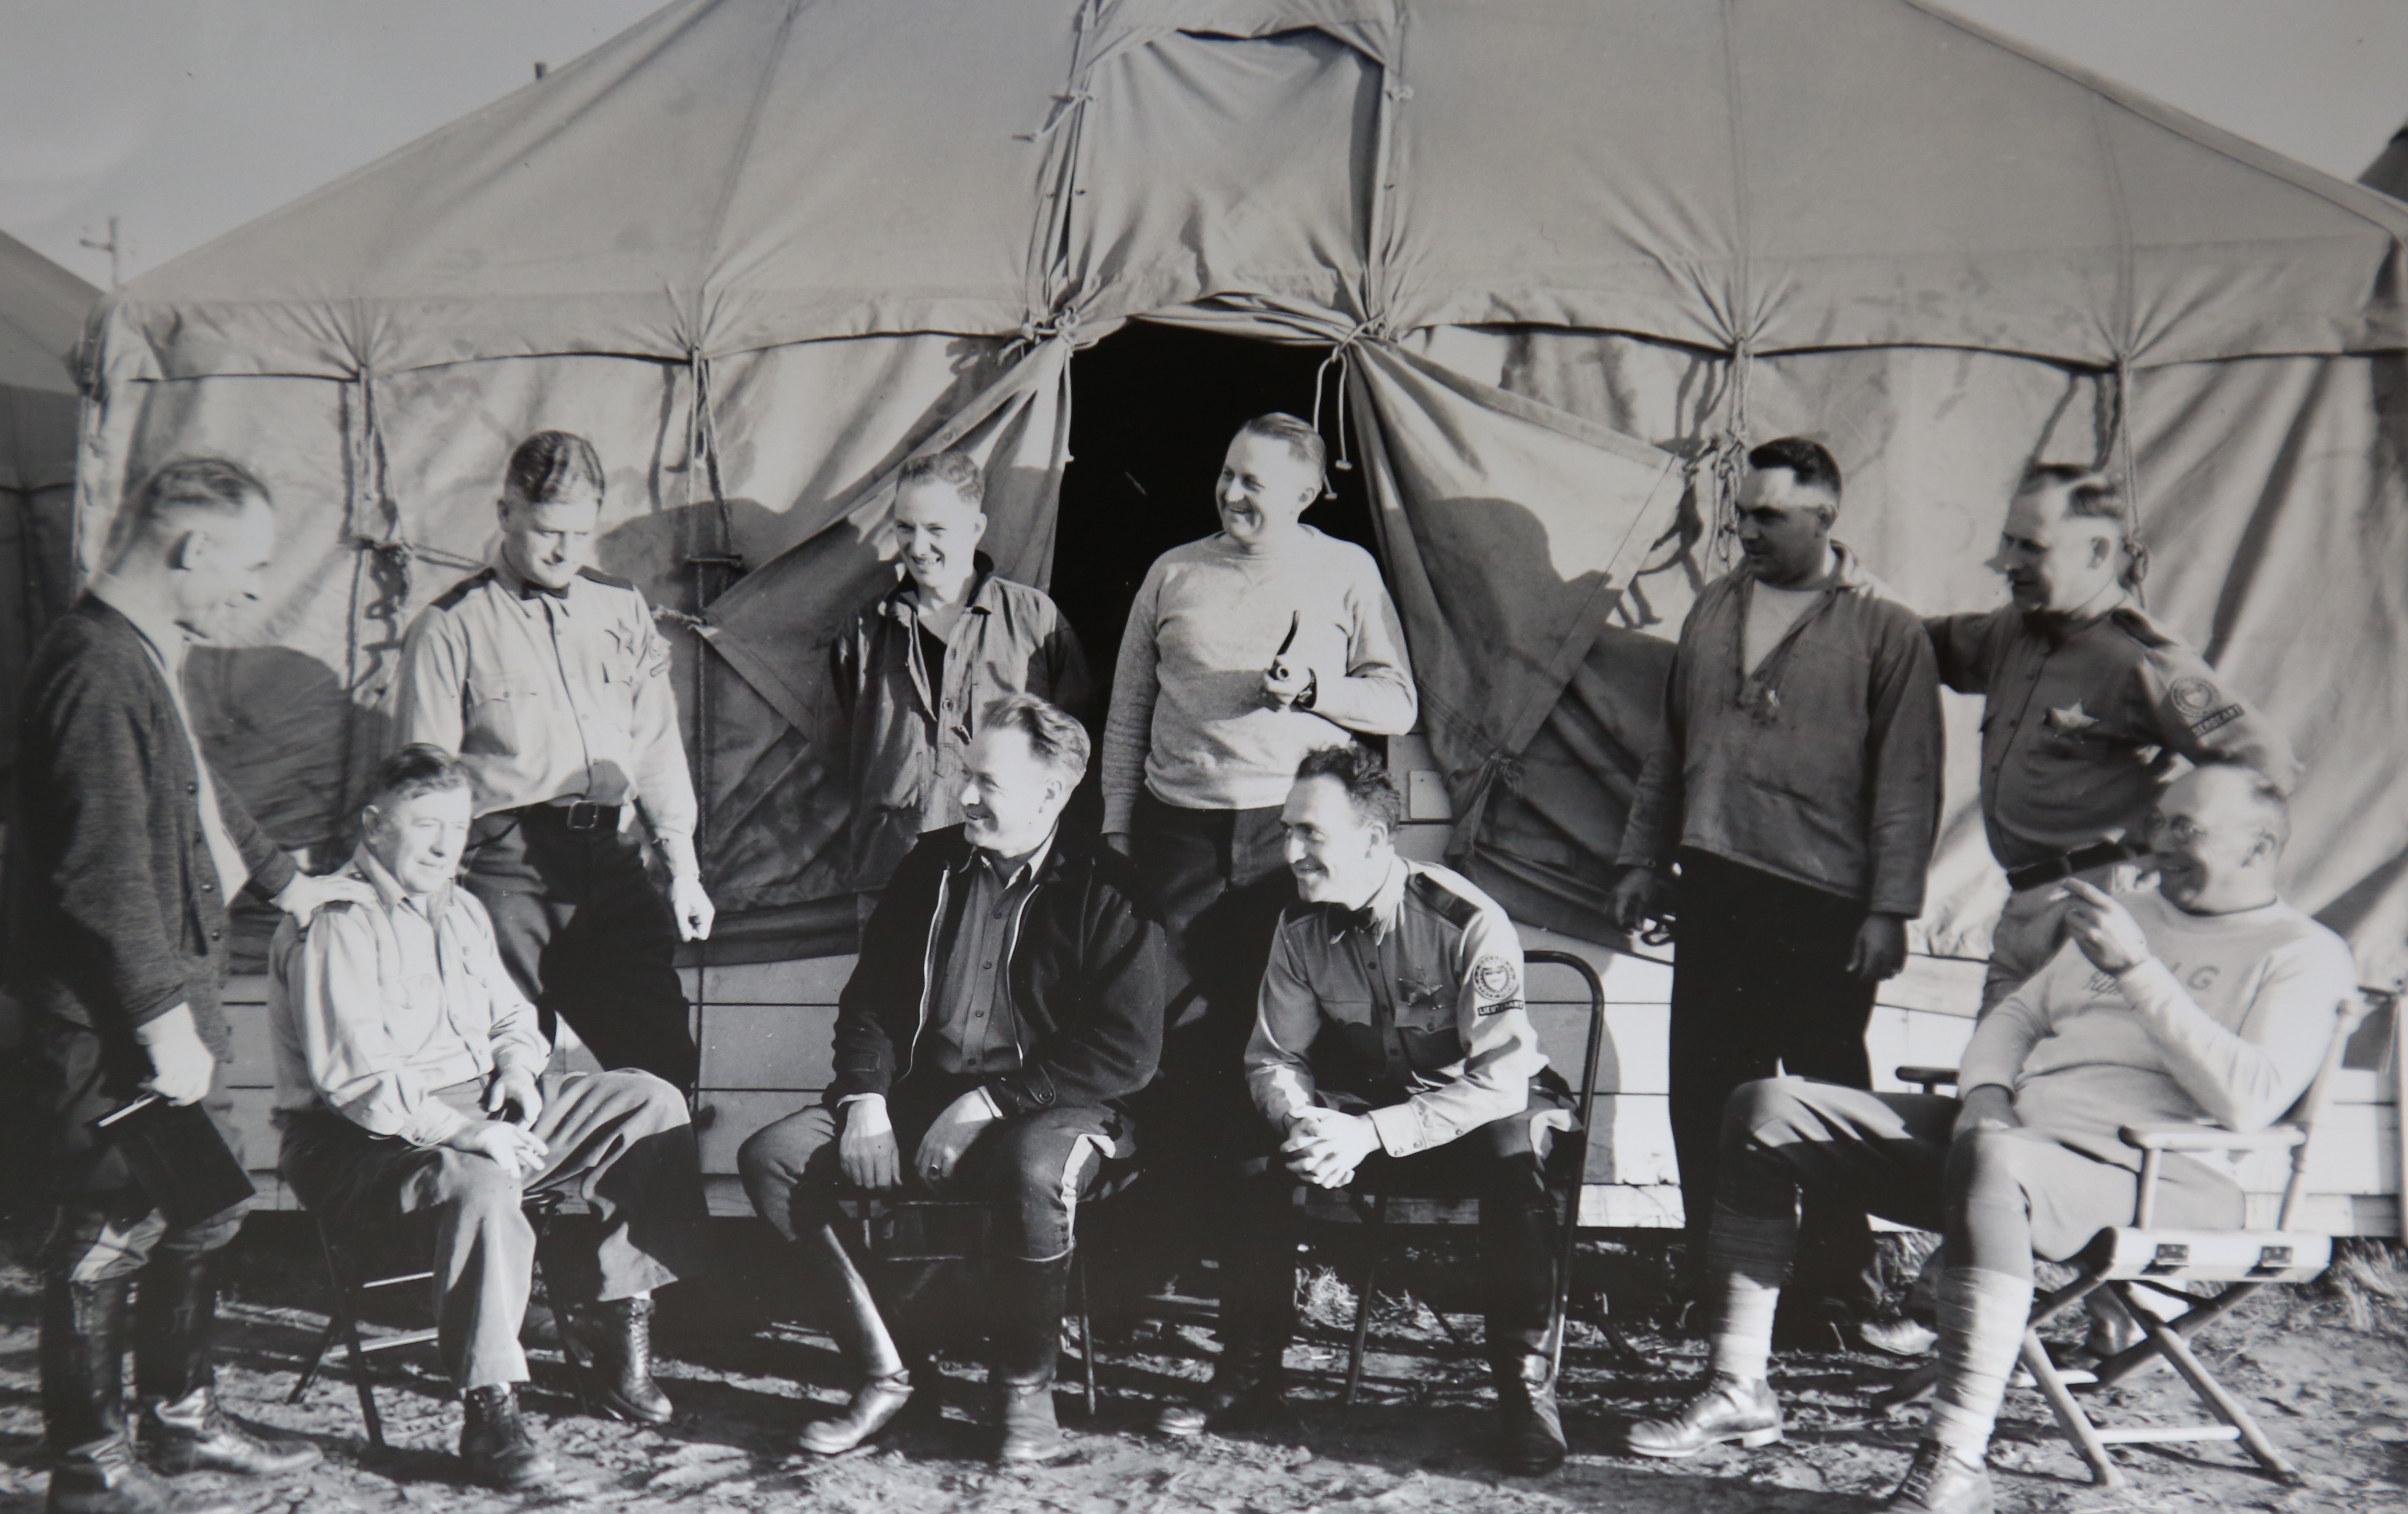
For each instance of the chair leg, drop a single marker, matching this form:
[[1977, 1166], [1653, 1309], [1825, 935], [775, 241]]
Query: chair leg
[[571, 1349], [308, 1377], [2226, 1408], [1371, 1237], [1086, 1328], [344, 1316], [2069, 1418]]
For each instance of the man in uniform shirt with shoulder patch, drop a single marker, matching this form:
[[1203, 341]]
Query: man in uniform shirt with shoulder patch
[[548, 680], [1391, 1040], [2089, 701]]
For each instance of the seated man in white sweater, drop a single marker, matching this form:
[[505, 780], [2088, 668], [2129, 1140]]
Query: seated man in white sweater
[[1243, 652], [2207, 1000]]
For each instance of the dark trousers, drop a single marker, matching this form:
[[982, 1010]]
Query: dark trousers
[[108, 1239], [1032, 1169], [1761, 977], [586, 936], [1496, 1163]]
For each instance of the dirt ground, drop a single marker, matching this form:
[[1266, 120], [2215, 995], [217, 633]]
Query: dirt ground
[[2327, 1375]]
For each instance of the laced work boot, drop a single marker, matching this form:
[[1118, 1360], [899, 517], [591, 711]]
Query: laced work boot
[[1530, 1428], [1938, 1483], [195, 1435], [1725, 1408], [497, 1445], [623, 1362]]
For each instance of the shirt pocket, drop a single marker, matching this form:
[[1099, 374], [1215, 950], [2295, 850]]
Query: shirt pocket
[[500, 714]]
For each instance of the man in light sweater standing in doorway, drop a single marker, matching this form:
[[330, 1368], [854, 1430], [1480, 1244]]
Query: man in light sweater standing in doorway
[[1244, 651]]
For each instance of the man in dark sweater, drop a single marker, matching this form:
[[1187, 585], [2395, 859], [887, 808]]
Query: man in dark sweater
[[1007, 1004], [126, 850]]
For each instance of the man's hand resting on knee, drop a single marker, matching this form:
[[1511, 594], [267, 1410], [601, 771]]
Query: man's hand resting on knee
[[865, 1149], [520, 1150], [1324, 1146], [1989, 1107], [941, 1149]]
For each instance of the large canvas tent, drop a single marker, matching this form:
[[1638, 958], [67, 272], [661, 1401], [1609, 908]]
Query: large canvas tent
[[1570, 252], [42, 311]]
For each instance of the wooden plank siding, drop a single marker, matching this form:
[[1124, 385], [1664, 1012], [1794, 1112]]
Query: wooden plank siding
[[765, 1030]]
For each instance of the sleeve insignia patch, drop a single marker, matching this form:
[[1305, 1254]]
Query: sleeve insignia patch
[[2193, 698], [1493, 980], [2217, 722]]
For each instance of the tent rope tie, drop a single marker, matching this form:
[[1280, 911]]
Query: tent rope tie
[[1065, 107], [1341, 357], [1036, 331], [2119, 442]]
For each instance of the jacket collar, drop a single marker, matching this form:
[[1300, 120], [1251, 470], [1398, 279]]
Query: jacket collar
[[1849, 574], [900, 604], [1378, 916], [972, 856], [364, 865], [166, 638], [518, 586]]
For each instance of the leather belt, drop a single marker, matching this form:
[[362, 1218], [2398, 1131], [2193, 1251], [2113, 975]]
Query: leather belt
[[2034, 875], [578, 815]]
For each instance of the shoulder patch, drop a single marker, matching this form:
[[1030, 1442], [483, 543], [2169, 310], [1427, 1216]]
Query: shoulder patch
[[1494, 983], [1452, 907], [593, 574], [2135, 623], [2193, 698], [458, 591]]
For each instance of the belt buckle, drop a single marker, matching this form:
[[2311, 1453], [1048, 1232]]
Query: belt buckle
[[583, 815]]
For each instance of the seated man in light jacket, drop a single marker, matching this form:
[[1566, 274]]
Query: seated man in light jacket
[[2208, 1000], [409, 1084]]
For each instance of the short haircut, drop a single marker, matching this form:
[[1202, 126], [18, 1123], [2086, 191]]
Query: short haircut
[[2264, 795], [421, 767], [1057, 740], [1302, 439], [551, 467], [1810, 461], [1364, 775], [205, 486], [956, 470], [2090, 494]]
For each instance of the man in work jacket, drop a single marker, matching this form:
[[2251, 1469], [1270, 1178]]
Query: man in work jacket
[[1796, 788], [919, 662], [1007, 1004]]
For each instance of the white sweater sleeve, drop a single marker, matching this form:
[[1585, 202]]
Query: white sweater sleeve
[[2246, 1080], [1375, 694], [1128, 728], [2005, 1035]]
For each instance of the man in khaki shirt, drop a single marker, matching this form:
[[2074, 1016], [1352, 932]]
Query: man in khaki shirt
[[548, 680]]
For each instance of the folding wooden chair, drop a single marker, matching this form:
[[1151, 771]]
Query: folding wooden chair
[[897, 1231], [351, 1290], [1381, 1215], [2125, 1258]]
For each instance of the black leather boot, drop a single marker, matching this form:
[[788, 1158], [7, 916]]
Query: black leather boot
[[623, 1362], [1249, 1386], [82, 1355], [1257, 1321], [104, 1477], [496, 1442], [1024, 1346], [1530, 1428], [181, 1428], [862, 1335]]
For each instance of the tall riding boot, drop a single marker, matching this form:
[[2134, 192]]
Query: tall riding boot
[[1518, 1253], [82, 1356], [181, 1428], [1257, 1322], [862, 1334], [1024, 1347]]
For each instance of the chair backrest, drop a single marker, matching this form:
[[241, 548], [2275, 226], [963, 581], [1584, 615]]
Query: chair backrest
[[2303, 1113], [1594, 1049]]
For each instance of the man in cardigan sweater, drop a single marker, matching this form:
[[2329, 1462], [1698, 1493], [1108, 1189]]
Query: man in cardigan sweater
[[127, 849]]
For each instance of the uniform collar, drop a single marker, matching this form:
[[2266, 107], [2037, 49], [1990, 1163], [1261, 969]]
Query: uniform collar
[[2057, 629], [168, 640], [522, 587], [389, 889], [1378, 916], [976, 855]]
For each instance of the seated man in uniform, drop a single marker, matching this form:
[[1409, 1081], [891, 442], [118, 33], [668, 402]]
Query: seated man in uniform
[[2209, 1000], [1007, 1003], [1391, 1040], [407, 1083]]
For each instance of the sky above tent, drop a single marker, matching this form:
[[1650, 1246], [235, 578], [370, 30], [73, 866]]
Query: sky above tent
[[216, 111]]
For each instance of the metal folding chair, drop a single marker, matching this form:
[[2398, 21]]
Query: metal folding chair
[[2124, 1259], [350, 1288], [1567, 1177]]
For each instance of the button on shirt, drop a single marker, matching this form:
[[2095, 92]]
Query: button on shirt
[[972, 1028], [375, 1008], [551, 697], [1415, 999], [2082, 722]]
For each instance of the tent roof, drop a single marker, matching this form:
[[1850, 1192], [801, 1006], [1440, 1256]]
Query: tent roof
[[42, 311], [730, 175]]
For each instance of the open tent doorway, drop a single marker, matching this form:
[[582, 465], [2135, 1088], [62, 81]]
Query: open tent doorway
[[1152, 411]]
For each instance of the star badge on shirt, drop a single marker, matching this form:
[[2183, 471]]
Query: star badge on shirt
[[2071, 720]]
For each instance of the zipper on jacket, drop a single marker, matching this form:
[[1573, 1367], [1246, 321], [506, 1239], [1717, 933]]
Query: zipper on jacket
[[1011, 945], [928, 970]]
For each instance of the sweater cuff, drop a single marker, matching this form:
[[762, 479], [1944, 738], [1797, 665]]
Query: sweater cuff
[[273, 875], [2148, 985]]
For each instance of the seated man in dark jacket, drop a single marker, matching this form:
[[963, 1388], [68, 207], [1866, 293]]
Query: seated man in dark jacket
[[1007, 1003]]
